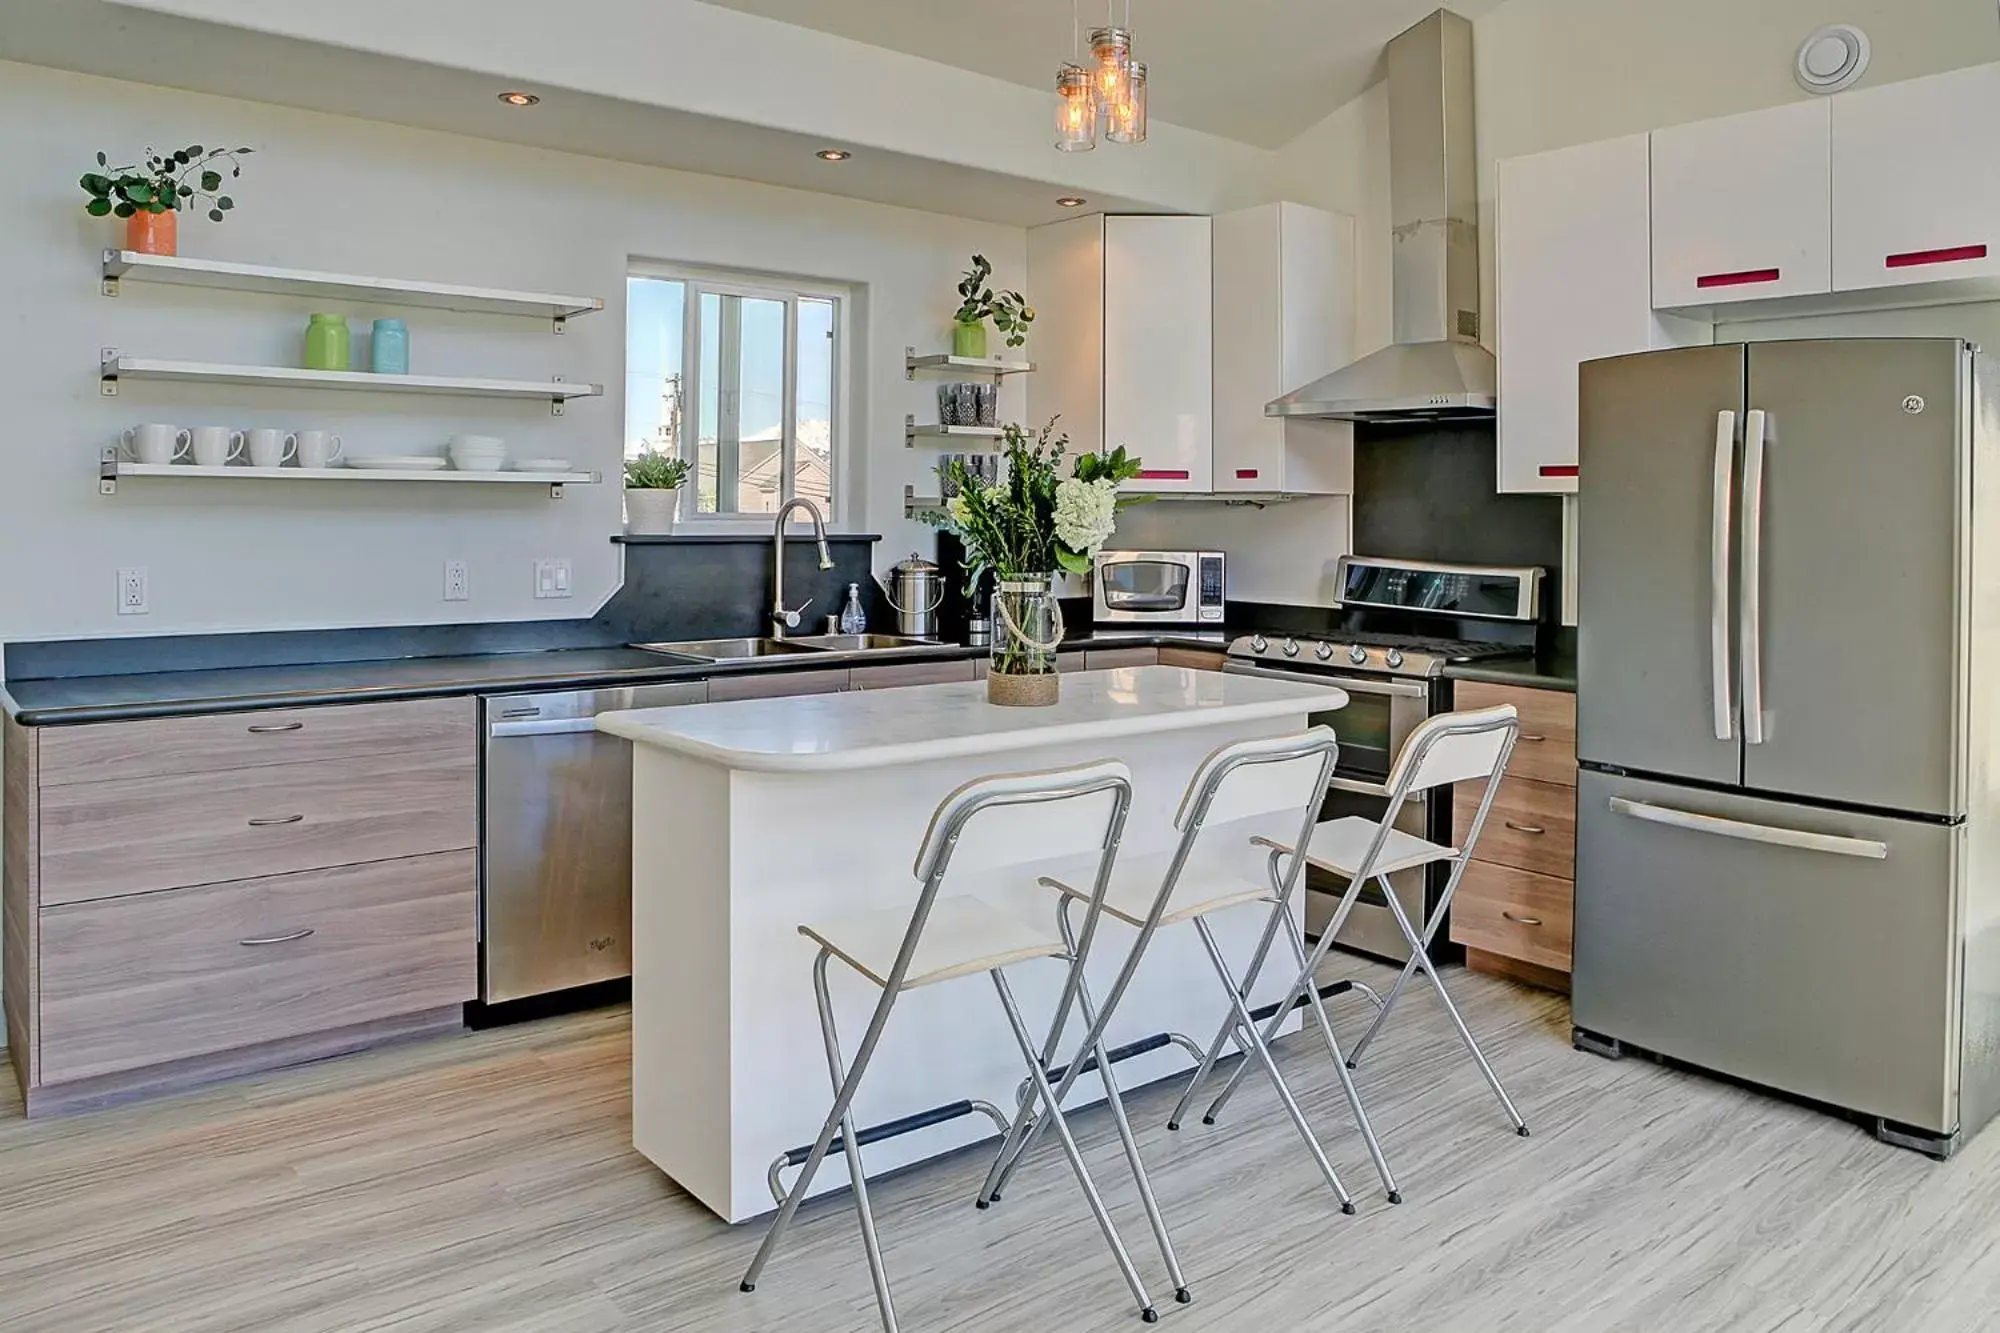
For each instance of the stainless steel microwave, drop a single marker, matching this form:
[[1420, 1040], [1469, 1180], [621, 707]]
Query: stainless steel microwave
[[1159, 587]]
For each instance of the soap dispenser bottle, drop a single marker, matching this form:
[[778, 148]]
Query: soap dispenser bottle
[[853, 620]]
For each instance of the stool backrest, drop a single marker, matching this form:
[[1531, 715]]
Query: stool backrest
[[1455, 747], [1244, 778], [1004, 819]]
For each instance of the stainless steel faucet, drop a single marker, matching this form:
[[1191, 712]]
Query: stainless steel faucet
[[782, 618]]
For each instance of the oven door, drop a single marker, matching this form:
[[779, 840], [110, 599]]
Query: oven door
[[1373, 728], [1139, 586]]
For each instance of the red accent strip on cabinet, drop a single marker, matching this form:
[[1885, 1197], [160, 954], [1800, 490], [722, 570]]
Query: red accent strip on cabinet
[[1559, 470], [1165, 475], [1747, 278], [1246, 474], [1957, 254]]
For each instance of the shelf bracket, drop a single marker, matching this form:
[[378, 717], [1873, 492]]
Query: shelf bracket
[[108, 284], [909, 355], [556, 407], [561, 325], [107, 470], [555, 490], [107, 371]]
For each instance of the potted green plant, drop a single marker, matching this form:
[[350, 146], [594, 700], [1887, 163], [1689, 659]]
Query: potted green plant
[[977, 303], [652, 492], [150, 196], [1040, 517]]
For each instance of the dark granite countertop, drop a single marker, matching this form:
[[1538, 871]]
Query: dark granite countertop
[[1549, 671]]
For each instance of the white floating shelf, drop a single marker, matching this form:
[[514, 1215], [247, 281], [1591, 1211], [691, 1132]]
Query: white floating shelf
[[912, 433], [132, 265], [964, 365], [114, 368], [112, 467]]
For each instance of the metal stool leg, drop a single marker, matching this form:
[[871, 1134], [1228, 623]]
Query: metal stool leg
[[1361, 1121], [1053, 1113], [1281, 919], [1402, 980]]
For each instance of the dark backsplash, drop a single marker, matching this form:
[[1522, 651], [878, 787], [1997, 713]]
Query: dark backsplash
[[1425, 492]]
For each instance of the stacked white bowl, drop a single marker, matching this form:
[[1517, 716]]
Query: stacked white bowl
[[478, 453]]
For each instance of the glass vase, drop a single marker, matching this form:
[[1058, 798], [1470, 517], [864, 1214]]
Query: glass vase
[[968, 338], [1027, 632]]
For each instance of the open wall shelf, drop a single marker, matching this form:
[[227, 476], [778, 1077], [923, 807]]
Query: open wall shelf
[[114, 368], [962, 365], [112, 468]]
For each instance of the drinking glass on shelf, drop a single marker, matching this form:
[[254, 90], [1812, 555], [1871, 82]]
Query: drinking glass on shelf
[[968, 404], [947, 395], [988, 398]]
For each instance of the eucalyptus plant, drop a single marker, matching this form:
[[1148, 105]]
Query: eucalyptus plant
[[1009, 311], [165, 182]]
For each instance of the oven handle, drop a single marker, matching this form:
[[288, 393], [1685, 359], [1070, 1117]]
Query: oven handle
[[1352, 684]]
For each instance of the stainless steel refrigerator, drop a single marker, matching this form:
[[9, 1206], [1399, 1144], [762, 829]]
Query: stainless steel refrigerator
[[1789, 721]]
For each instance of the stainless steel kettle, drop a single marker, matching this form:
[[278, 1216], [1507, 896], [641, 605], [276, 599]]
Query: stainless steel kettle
[[915, 588]]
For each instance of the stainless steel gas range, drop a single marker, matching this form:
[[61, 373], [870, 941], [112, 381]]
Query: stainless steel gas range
[[1401, 624]]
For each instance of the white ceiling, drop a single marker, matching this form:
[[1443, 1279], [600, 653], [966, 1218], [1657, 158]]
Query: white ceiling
[[1257, 71]]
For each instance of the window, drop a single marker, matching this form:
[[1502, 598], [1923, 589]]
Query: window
[[739, 378]]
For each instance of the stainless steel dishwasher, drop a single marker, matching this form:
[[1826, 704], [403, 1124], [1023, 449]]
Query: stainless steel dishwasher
[[555, 846]]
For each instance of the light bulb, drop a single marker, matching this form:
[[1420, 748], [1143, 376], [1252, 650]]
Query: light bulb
[[1111, 54], [1128, 117], [1076, 112]]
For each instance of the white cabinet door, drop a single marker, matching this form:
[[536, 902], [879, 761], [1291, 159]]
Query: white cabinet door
[[1159, 349], [1742, 207], [1573, 248], [1916, 181]]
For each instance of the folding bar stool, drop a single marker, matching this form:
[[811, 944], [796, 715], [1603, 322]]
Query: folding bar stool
[[1450, 748], [1216, 865], [949, 937]]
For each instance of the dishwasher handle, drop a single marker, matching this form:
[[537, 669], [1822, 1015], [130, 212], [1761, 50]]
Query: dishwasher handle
[[546, 726]]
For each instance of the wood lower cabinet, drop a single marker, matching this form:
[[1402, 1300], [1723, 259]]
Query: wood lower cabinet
[[1195, 659], [1515, 905], [1106, 659], [189, 897]]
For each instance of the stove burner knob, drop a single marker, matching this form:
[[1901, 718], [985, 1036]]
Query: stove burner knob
[[1357, 654], [1291, 648], [1258, 643], [1323, 650], [1394, 659]]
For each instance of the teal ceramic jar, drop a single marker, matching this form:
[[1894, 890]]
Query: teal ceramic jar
[[327, 343], [389, 348]]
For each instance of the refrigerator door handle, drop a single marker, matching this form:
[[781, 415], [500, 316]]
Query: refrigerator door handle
[[1752, 646], [1835, 845], [1721, 523]]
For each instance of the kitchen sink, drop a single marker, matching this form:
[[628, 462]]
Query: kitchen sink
[[864, 643], [731, 650]]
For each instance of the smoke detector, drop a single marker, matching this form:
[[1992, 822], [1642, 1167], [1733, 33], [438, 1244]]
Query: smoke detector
[[1831, 59]]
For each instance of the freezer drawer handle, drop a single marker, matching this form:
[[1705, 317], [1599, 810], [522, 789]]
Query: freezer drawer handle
[[548, 726], [1533, 830], [1521, 920], [1720, 526], [1865, 848]]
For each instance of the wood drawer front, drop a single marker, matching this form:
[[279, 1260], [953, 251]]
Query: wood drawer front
[[1519, 808], [1196, 659], [106, 839], [1548, 714], [776, 684], [154, 747], [131, 982], [1514, 913], [910, 673], [1103, 659]]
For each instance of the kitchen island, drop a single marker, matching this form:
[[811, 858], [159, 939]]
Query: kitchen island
[[754, 816]]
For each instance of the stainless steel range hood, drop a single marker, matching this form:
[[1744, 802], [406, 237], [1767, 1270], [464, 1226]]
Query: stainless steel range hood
[[1436, 369]]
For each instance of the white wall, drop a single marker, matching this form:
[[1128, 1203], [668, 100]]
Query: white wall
[[359, 196]]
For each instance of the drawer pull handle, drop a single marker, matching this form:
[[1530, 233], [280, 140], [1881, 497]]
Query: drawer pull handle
[[1521, 920], [1526, 739], [1531, 830], [276, 939], [280, 819], [266, 728]]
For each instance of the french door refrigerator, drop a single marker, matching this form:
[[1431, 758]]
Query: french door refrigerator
[[1788, 724]]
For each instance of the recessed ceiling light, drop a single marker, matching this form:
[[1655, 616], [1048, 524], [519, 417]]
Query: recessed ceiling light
[[514, 97], [833, 155], [1072, 201]]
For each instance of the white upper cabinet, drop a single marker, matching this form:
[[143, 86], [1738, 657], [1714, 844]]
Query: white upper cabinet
[[1742, 207], [1124, 341], [1574, 283], [1284, 316], [1916, 181]]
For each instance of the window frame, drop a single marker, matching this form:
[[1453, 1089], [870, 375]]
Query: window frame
[[790, 291]]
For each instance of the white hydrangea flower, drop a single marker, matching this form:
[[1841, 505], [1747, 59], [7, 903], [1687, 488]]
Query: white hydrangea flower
[[1085, 513]]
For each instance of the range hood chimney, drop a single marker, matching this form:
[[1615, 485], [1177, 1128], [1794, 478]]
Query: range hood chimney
[[1436, 369]]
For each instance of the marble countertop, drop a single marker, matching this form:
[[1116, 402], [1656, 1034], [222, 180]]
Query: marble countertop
[[880, 728]]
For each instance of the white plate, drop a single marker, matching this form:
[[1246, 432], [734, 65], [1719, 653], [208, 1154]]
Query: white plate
[[541, 465], [397, 463]]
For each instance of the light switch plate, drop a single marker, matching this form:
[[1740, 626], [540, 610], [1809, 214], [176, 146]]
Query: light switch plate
[[457, 581], [133, 596], [551, 578]]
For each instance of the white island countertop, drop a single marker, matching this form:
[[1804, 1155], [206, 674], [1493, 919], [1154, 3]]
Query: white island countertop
[[879, 728]]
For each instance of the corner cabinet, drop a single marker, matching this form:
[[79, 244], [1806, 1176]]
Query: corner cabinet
[[1574, 252], [1125, 341]]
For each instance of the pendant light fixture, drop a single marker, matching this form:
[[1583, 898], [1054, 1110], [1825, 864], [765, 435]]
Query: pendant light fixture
[[1076, 110], [1106, 89]]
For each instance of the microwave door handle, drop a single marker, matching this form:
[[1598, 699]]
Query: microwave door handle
[[1755, 426], [1721, 521]]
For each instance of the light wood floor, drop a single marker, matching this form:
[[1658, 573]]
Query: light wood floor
[[487, 1182]]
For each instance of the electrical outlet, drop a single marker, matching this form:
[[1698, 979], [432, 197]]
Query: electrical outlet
[[133, 599], [457, 581], [551, 578]]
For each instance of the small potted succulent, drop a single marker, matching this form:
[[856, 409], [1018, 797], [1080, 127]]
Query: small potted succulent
[[653, 482], [150, 196], [977, 303]]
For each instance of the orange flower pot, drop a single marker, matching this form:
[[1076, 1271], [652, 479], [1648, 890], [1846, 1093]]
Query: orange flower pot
[[152, 233]]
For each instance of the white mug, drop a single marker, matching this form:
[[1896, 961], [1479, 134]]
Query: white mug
[[155, 444], [271, 448], [319, 449], [215, 446]]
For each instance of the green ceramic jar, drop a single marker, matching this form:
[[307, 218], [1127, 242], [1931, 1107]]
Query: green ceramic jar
[[327, 343]]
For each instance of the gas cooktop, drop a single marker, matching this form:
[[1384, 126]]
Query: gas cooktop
[[1386, 654]]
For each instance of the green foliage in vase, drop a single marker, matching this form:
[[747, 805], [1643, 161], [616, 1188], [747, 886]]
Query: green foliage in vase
[[1009, 311], [1040, 516], [653, 471], [165, 182]]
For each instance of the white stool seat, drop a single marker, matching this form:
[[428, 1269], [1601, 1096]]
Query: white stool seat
[[1339, 844], [964, 936], [1227, 872]]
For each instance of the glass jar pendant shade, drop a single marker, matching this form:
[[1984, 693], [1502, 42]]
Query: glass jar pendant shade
[[1076, 110], [1111, 60], [1126, 120]]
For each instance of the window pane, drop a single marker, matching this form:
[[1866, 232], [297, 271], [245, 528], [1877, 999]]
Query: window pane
[[708, 379], [812, 463], [654, 317], [741, 452]]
